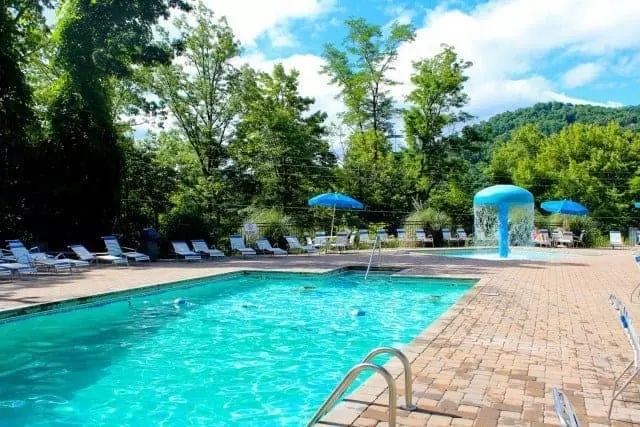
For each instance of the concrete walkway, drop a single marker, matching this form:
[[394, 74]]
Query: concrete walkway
[[492, 359]]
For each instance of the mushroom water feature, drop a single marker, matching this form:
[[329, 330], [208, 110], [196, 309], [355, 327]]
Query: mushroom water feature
[[503, 213]]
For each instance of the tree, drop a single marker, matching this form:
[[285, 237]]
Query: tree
[[435, 101], [199, 92], [280, 141], [361, 71], [80, 165]]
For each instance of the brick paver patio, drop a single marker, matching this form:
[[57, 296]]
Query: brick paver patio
[[492, 359]]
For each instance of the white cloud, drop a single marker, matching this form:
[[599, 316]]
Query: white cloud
[[582, 74], [251, 19], [508, 40]]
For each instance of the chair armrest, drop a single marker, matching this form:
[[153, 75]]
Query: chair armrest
[[129, 249], [34, 249]]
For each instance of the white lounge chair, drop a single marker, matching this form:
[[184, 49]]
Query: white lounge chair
[[84, 255], [364, 237], [202, 248], [182, 251], [342, 241], [114, 248], [462, 236], [237, 245], [265, 247], [402, 236], [633, 368], [424, 238], [564, 409], [5, 272], [447, 237], [320, 239], [615, 238], [543, 238], [16, 268], [34, 258], [294, 245]]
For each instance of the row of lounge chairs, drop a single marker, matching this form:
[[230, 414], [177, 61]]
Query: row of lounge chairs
[[345, 239]]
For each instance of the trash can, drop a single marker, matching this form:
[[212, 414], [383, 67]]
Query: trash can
[[149, 243]]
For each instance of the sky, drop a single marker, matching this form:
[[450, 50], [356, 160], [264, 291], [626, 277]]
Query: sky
[[523, 51]]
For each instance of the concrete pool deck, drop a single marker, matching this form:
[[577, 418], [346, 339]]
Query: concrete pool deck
[[489, 360]]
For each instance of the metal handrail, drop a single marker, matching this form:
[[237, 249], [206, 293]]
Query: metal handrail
[[378, 242], [408, 378], [348, 380]]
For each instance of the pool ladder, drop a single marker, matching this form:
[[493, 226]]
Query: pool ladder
[[377, 242], [366, 365]]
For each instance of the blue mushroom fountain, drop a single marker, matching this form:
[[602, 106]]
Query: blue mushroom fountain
[[505, 213]]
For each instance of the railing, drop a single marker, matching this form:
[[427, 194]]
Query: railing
[[373, 250], [367, 365]]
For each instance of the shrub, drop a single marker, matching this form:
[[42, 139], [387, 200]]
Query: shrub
[[429, 218], [273, 223]]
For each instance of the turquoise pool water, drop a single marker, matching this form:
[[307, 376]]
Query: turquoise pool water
[[492, 254], [254, 349]]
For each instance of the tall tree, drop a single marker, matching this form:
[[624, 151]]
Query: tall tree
[[280, 141], [80, 166], [361, 70], [199, 91], [435, 100]]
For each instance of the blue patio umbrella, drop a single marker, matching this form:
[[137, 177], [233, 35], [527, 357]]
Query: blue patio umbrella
[[637, 205], [564, 207], [335, 200]]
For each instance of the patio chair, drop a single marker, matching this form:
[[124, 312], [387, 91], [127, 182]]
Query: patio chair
[[401, 236], [564, 409], [615, 239], [237, 245], [448, 238], [424, 238], [16, 268], [5, 272], [264, 246], [34, 258], [543, 238], [342, 241], [633, 368], [201, 247], [319, 239], [565, 239], [84, 255], [462, 236], [364, 237], [579, 240], [114, 248], [294, 245], [182, 251]]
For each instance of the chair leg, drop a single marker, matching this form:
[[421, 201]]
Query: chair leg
[[615, 393]]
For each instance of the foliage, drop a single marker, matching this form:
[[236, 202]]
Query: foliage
[[595, 165], [429, 218], [591, 227], [275, 224], [280, 141], [361, 71], [436, 99]]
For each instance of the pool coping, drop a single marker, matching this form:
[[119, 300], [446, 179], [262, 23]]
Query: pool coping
[[68, 304]]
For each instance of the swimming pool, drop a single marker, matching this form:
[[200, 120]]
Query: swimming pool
[[248, 349], [491, 254]]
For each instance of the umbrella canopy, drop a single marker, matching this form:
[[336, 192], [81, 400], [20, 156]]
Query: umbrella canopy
[[335, 200], [637, 205], [566, 207]]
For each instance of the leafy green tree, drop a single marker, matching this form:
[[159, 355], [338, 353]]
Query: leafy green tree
[[199, 92], [280, 141], [361, 70], [80, 166], [436, 100]]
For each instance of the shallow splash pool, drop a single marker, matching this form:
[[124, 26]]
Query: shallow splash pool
[[491, 254], [246, 349]]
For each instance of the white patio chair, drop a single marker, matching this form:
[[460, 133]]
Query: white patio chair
[[201, 247], [615, 238], [114, 249], [182, 251], [237, 245], [265, 247], [83, 254]]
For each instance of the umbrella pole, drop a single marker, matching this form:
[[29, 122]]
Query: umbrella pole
[[333, 217]]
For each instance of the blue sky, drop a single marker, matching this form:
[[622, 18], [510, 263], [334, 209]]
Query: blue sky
[[524, 51]]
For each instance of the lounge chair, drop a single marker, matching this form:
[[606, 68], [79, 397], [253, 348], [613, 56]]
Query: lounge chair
[[84, 255], [182, 251], [543, 238], [16, 268], [424, 238], [114, 249], [564, 410], [342, 241], [237, 245], [462, 236], [201, 247], [320, 239], [5, 272], [564, 239], [364, 237], [36, 259], [634, 366], [615, 239], [580, 240], [402, 236], [264, 246], [448, 238], [294, 245]]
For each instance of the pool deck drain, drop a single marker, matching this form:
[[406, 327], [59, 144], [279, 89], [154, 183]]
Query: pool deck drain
[[489, 360]]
